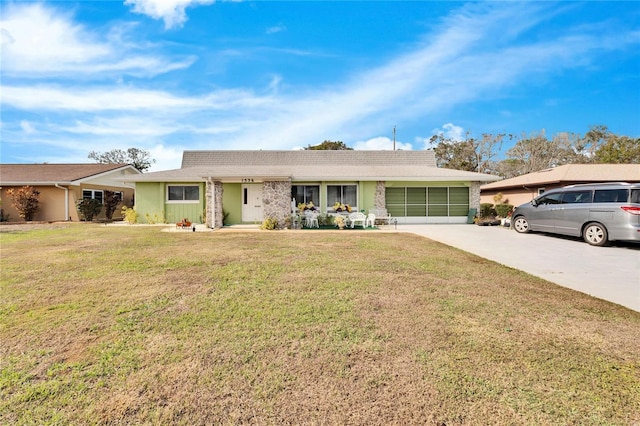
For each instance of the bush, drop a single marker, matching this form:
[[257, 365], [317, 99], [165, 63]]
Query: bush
[[89, 208], [270, 224], [25, 200], [503, 209], [130, 215], [487, 210]]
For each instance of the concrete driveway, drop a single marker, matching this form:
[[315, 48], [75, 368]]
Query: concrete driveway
[[610, 273]]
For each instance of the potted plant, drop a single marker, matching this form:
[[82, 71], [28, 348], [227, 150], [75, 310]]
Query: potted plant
[[339, 221]]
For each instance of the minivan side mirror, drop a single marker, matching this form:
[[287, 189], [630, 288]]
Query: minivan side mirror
[[534, 203]]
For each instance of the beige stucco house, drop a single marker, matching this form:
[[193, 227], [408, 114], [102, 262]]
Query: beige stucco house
[[522, 189], [62, 185]]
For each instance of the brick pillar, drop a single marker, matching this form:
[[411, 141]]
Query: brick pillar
[[380, 195], [276, 200], [213, 208]]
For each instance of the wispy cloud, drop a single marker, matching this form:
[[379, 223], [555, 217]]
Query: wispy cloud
[[41, 41], [477, 52], [172, 12]]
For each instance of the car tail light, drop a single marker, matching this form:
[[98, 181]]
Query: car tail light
[[631, 209]]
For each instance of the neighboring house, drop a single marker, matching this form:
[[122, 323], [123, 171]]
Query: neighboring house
[[522, 189], [62, 185], [249, 186]]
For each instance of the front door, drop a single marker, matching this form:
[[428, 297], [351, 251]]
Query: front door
[[252, 203]]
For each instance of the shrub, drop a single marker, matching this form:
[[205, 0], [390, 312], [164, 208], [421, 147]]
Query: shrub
[[486, 210], [503, 209], [25, 200], [156, 218], [270, 224], [89, 208], [130, 215]]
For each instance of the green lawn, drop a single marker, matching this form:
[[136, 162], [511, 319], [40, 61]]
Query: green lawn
[[129, 325]]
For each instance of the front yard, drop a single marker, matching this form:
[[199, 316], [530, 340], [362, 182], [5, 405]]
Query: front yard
[[129, 325]]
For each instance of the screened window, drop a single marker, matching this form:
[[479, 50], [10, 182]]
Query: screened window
[[306, 193], [92, 194], [343, 194], [183, 193], [433, 201]]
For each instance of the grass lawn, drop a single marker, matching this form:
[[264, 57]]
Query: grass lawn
[[130, 325]]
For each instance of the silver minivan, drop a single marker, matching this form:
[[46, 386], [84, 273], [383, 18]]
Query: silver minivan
[[598, 213]]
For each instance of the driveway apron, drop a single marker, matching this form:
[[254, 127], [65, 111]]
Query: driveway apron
[[610, 273]]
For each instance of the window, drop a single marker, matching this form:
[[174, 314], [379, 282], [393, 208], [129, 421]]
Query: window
[[183, 193], [574, 197], [93, 194], [549, 199], [343, 194], [611, 196], [306, 193]]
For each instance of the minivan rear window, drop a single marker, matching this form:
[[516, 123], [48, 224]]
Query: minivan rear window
[[611, 196]]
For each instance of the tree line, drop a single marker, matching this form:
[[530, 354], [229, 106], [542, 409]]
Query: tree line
[[534, 152]]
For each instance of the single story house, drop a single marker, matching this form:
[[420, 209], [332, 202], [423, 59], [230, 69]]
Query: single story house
[[62, 185], [522, 189], [237, 187]]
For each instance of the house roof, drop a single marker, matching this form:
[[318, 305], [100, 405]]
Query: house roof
[[310, 165], [49, 174], [572, 173], [307, 157]]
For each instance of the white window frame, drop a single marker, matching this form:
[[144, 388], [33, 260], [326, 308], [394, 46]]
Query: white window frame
[[93, 194], [168, 201], [330, 203]]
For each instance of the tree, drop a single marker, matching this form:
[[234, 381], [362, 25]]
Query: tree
[[329, 146], [619, 150], [472, 155], [25, 200], [535, 152], [138, 158], [111, 201]]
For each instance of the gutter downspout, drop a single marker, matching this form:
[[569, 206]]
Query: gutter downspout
[[66, 201]]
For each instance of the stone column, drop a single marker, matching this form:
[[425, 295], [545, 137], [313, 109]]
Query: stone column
[[213, 201], [474, 196], [379, 201], [276, 200]]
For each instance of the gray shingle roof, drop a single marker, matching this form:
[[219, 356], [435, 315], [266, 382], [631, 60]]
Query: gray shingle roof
[[307, 157], [311, 166], [571, 173]]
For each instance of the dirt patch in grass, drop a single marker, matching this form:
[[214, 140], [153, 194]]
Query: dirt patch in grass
[[124, 325]]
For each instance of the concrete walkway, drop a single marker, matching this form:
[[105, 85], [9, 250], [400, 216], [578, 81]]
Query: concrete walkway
[[610, 273]]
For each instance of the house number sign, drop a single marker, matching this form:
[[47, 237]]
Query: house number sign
[[247, 180]]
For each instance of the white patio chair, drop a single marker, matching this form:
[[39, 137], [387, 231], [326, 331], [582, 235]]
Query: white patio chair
[[371, 220], [311, 219], [357, 217]]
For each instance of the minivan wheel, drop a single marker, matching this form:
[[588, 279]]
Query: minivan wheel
[[595, 234], [521, 225]]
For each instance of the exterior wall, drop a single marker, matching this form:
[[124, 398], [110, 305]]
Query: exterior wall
[[53, 206], [515, 196], [276, 200], [151, 204], [367, 196], [232, 202]]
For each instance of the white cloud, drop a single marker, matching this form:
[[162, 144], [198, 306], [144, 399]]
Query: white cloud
[[27, 127], [39, 40], [276, 29], [172, 12], [450, 131], [381, 143]]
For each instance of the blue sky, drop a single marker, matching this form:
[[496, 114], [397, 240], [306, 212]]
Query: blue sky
[[171, 75]]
